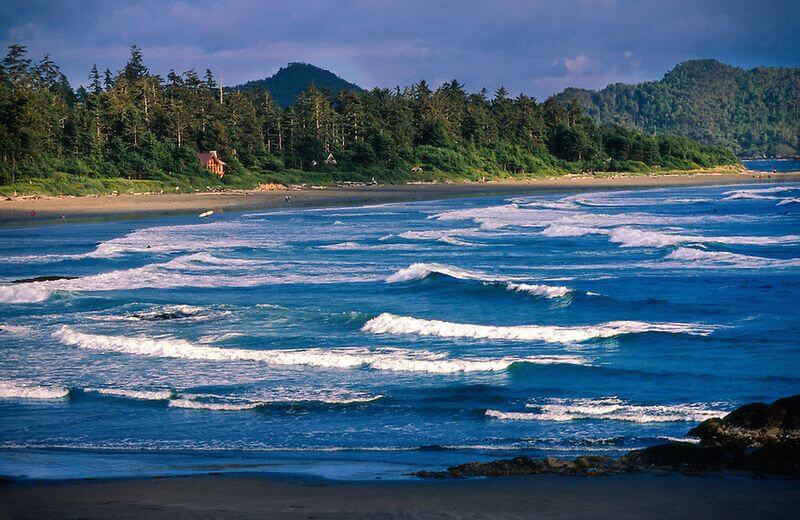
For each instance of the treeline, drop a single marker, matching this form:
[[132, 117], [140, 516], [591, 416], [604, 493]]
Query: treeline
[[132, 129], [754, 112]]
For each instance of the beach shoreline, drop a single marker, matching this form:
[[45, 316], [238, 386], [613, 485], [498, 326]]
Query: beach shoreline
[[652, 495], [32, 210]]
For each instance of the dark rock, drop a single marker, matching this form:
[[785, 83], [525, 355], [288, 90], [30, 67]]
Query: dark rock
[[433, 447], [758, 437], [50, 278], [162, 316], [586, 466]]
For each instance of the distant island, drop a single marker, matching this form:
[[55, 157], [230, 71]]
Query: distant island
[[133, 131], [754, 112]]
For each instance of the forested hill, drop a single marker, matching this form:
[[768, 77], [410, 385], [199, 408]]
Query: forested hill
[[133, 130], [290, 81], [754, 112]]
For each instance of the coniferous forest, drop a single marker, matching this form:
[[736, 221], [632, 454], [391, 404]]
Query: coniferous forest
[[132, 130], [754, 112]]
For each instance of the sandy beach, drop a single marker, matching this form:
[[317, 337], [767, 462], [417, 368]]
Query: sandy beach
[[33, 210], [634, 496]]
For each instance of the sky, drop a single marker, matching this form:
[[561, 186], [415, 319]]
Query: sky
[[533, 47]]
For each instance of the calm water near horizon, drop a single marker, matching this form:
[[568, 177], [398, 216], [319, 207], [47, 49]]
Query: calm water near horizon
[[768, 165], [371, 341]]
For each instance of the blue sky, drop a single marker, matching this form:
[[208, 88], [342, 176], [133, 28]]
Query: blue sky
[[536, 47]]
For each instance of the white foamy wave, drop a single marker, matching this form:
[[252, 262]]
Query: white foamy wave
[[218, 338], [186, 238], [714, 259], [565, 230], [419, 271], [170, 239], [631, 237], [572, 222], [25, 390], [391, 324], [356, 246], [774, 189], [446, 236], [611, 408], [16, 330], [144, 395], [203, 405], [24, 293], [547, 291], [763, 194], [396, 360], [195, 270]]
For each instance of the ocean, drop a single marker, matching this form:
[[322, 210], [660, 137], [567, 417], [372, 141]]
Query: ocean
[[366, 342]]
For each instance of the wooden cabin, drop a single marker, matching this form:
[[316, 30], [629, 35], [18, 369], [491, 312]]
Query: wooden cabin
[[212, 161]]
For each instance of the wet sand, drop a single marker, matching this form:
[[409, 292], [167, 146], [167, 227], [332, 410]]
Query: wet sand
[[632, 496], [33, 210]]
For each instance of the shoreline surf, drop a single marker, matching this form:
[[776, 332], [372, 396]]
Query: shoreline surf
[[34, 210]]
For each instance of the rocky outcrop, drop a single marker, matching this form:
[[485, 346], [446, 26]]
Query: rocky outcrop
[[756, 437], [586, 466], [49, 278]]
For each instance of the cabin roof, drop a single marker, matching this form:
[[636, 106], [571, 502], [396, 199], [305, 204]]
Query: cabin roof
[[205, 157]]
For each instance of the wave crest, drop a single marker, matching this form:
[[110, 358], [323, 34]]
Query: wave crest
[[395, 360], [611, 408], [25, 390], [391, 324]]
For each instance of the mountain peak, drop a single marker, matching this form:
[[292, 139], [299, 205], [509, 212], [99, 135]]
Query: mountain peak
[[290, 81]]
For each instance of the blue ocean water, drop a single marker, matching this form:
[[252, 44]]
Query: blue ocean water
[[370, 341], [770, 165]]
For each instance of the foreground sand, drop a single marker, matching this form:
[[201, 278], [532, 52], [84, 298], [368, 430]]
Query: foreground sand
[[30, 210], [633, 496]]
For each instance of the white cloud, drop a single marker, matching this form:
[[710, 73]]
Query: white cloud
[[579, 64]]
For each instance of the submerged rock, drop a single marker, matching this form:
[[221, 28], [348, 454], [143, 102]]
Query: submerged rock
[[49, 278], [755, 437]]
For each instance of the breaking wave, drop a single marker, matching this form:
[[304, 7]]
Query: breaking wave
[[24, 293], [144, 395], [25, 390], [195, 270], [395, 360], [203, 405], [714, 259], [611, 408], [546, 291], [632, 237], [420, 271], [391, 324]]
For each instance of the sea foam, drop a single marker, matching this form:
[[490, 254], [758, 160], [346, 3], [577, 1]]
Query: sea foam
[[396, 360], [610, 408], [419, 271], [391, 324], [25, 390], [715, 259]]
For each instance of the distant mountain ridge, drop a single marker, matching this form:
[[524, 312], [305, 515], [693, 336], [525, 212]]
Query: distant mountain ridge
[[754, 112], [286, 84]]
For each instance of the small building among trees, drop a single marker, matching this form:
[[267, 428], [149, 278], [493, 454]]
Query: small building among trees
[[212, 161], [330, 160]]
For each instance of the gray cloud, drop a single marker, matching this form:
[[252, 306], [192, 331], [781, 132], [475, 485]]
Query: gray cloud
[[537, 47]]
